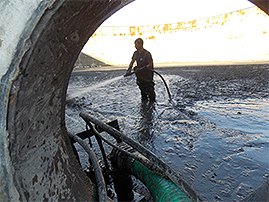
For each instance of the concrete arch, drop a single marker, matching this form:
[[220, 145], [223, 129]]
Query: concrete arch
[[39, 43], [39, 48]]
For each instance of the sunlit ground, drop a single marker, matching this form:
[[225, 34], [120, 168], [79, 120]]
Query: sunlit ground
[[184, 32]]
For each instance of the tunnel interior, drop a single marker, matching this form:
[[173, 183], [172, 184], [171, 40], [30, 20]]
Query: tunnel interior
[[40, 151]]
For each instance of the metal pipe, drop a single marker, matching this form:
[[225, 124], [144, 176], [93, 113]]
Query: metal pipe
[[137, 156]]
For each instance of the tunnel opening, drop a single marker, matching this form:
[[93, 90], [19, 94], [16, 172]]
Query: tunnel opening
[[85, 99], [41, 159]]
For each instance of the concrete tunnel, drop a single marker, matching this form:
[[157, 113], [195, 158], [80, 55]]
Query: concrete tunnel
[[39, 44]]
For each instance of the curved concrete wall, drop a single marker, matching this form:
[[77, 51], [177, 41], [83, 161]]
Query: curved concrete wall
[[11, 40], [39, 43], [262, 4]]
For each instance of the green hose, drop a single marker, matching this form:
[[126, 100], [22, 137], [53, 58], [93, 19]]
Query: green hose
[[166, 187], [161, 188]]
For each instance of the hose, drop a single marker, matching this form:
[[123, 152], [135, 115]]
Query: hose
[[166, 86], [161, 189], [101, 147], [135, 156], [118, 135], [147, 153], [102, 193]]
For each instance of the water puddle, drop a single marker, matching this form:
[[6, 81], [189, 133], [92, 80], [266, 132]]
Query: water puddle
[[248, 116]]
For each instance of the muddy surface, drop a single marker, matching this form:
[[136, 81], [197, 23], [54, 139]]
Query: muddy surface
[[215, 132]]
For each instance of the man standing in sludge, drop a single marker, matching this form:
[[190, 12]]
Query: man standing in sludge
[[143, 71]]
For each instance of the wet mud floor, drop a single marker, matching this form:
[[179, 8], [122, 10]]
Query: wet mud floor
[[215, 133]]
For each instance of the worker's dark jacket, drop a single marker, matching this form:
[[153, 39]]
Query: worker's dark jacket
[[142, 59]]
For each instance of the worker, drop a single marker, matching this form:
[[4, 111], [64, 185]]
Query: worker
[[143, 71]]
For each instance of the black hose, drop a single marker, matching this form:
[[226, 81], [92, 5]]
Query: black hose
[[117, 134], [166, 86], [136, 156], [102, 193], [102, 149], [147, 153]]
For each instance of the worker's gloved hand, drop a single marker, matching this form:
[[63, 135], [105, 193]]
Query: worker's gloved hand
[[128, 73]]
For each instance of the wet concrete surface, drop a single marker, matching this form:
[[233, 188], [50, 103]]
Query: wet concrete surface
[[215, 133]]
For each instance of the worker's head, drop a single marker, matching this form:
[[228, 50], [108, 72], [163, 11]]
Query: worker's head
[[139, 43]]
